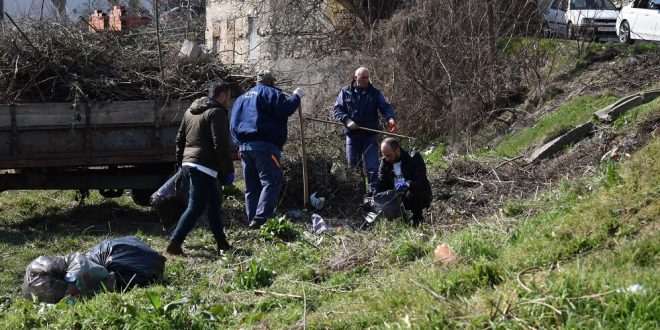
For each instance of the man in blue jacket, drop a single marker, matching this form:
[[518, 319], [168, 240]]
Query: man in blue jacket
[[357, 106], [259, 128]]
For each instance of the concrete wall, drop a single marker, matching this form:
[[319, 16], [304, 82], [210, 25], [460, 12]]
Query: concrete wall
[[235, 29], [259, 35]]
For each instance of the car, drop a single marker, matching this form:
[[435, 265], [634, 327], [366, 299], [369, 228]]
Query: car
[[588, 19], [639, 20]]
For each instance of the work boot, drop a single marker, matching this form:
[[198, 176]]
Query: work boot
[[223, 245], [174, 248], [417, 219], [257, 222]]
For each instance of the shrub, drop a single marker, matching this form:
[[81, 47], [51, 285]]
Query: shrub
[[254, 277], [279, 228]]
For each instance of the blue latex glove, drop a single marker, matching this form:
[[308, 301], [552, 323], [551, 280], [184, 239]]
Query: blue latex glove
[[230, 179], [401, 186]]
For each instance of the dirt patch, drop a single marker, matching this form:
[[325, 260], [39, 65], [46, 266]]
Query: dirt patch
[[355, 250], [468, 188], [481, 188]]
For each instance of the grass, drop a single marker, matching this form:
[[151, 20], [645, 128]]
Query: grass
[[545, 46], [637, 115], [565, 258], [576, 111], [585, 223], [435, 158]]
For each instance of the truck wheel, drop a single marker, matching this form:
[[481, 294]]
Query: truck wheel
[[141, 196], [111, 193]]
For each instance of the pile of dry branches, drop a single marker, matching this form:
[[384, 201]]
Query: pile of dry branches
[[50, 61], [343, 193], [449, 63]]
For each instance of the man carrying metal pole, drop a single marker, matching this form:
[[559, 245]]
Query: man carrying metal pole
[[357, 105]]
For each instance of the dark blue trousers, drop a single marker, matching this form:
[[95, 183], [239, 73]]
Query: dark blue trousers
[[203, 195], [364, 150], [263, 181]]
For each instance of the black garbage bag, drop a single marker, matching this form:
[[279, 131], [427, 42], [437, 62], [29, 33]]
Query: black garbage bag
[[132, 261], [44, 279], [85, 276], [171, 199], [49, 279], [383, 205]]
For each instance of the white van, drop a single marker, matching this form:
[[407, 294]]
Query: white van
[[591, 19]]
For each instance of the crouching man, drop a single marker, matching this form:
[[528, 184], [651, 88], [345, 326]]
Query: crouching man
[[406, 173]]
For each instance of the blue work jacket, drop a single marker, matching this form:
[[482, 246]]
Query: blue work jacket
[[361, 106], [259, 118]]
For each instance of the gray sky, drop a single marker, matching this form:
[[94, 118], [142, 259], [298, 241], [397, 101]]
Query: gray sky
[[32, 8]]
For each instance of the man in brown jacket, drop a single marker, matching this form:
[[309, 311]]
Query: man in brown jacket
[[202, 152]]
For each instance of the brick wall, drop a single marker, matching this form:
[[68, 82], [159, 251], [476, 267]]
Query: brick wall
[[116, 21], [98, 21]]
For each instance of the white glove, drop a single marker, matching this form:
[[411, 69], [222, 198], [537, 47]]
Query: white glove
[[299, 92], [352, 125]]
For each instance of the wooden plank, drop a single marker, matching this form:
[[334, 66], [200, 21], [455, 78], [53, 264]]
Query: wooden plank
[[52, 115], [172, 112], [5, 116], [38, 114], [122, 112]]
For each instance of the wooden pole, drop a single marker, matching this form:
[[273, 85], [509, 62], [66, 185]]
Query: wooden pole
[[304, 158], [160, 51]]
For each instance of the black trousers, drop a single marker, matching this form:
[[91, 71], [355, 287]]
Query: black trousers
[[416, 201]]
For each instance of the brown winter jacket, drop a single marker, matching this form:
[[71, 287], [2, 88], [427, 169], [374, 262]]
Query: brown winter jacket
[[203, 137]]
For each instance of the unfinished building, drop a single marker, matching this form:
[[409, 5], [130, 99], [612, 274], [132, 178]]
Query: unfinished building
[[296, 39]]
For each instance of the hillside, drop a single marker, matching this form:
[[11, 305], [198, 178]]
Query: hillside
[[569, 242]]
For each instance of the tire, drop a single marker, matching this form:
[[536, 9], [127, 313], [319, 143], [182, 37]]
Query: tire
[[111, 193], [624, 33], [141, 196], [545, 29]]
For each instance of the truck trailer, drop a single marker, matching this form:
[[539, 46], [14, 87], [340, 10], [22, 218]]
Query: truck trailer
[[106, 146]]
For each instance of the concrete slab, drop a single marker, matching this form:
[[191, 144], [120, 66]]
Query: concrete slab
[[618, 108], [557, 145]]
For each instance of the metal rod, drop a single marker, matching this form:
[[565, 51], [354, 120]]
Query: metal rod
[[360, 128], [304, 158]]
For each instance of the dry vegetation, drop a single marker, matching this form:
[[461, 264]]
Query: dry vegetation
[[449, 64], [61, 61], [540, 246]]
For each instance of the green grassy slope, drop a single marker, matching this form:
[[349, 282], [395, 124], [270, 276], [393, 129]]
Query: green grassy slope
[[565, 259]]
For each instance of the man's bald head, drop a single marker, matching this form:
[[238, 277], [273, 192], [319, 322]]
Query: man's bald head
[[391, 149], [362, 77]]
